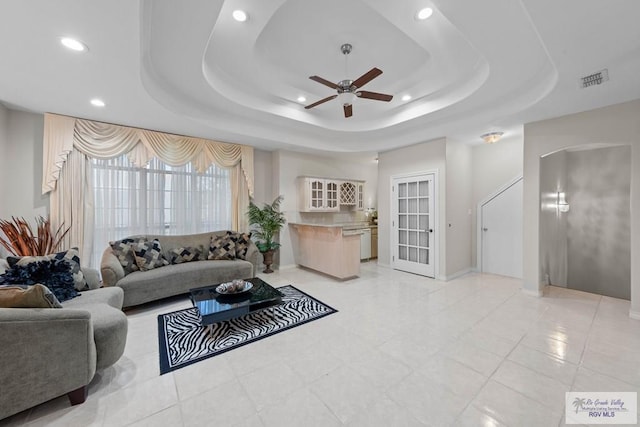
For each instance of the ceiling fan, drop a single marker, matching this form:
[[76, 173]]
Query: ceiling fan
[[348, 90]]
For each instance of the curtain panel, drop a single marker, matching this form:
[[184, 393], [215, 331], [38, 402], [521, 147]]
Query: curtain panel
[[70, 143]]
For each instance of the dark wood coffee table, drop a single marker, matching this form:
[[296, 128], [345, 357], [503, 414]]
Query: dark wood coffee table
[[215, 307]]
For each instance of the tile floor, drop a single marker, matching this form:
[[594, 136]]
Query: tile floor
[[402, 351]]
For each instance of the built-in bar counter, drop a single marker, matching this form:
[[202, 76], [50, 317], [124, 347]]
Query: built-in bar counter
[[328, 248]]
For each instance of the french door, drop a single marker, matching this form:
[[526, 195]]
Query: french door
[[413, 224]]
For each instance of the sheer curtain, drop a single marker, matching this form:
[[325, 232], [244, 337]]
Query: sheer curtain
[[71, 143], [160, 199]]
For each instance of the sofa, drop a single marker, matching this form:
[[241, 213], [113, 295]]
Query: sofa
[[176, 278], [49, 352]]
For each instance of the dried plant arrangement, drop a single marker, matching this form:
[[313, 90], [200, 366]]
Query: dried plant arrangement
[[20, 240]]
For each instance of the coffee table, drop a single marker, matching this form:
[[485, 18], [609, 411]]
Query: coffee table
[[215, 307]]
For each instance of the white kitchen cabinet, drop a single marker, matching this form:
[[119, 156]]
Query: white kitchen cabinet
[[348, 193], [318, 195], [360, 196]]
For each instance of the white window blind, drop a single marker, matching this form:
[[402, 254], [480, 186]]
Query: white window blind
[[159, 199]]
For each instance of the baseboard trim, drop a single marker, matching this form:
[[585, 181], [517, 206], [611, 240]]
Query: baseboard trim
[[634, 314], [539, 293], [458, 274]]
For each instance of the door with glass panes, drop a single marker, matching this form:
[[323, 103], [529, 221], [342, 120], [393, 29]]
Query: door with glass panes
[[413, 224]]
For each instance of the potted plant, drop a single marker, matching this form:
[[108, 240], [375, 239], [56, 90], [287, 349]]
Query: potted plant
[[21, 240], [265, 223]]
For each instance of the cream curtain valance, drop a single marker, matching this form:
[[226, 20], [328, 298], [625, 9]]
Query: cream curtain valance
[[102, 141]]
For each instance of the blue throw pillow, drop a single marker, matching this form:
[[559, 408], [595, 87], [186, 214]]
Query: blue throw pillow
[[55, 274]]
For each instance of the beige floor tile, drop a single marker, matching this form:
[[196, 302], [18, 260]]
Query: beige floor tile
[[299, 409], [473, 357], [384, 413], [544, 364], [139, 401], [379, 369], [227, 404], [400, 346], [200, 377], [473, 417], [427, 401], [271, 385], [171, 416], [512, 408], [545, 390], [345, 392], [453, 375]]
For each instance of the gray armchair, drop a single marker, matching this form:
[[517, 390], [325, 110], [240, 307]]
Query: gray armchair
[[49, 352]]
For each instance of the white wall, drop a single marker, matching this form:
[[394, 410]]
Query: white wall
[[553, 224], [21, 163], [263, 172], [425, 157], [4, 160], [24, 166], [618, 125], [458, 209], [288, 165], [493, 166]]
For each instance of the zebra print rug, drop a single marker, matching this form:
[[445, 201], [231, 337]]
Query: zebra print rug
[[183, 340]]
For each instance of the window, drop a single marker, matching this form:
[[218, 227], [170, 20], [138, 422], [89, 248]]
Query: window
[[159, 199]]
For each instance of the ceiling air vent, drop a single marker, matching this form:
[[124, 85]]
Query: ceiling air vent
[[594, 79]]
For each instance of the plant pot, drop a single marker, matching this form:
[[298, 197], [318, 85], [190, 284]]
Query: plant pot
[[268, 260]]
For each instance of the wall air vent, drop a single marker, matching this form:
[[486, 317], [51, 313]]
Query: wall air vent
[[594, 79]]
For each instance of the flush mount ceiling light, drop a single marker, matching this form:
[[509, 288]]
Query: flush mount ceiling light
[[406, 97], [97, 102], [424, 14], [239, 15], [301, 98], [73, 44], [492, 137]]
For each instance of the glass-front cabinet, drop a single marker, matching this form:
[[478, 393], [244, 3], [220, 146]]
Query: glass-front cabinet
[[318, 195]]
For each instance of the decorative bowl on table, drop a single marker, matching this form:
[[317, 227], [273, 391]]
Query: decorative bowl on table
[[234, 287]]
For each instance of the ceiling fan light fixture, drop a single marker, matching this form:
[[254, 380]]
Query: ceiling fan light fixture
[[406, 98], [492, 137], [424, 14], [301, 98], [73, 44], [239, 15], [347, 98]]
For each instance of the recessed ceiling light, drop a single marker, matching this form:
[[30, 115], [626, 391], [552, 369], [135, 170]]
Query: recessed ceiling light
[[406, 97], [239, 15], [97, 102], [424, 13], [301, 98], [73, 44]]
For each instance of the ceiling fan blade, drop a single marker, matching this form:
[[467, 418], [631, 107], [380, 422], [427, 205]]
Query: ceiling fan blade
[[348, 110], [322, 101], [374, 95], [324, 82], [367, 77]]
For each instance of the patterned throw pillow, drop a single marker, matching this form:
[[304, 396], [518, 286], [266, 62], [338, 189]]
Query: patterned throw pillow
[[55, 274], [124, 251], [222, 247], [21, 296], [72, 256], [242, 241], [188, 254], [149, 255]]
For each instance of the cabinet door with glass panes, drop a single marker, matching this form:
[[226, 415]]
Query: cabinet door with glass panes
[[318, 195], [359, 196]]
